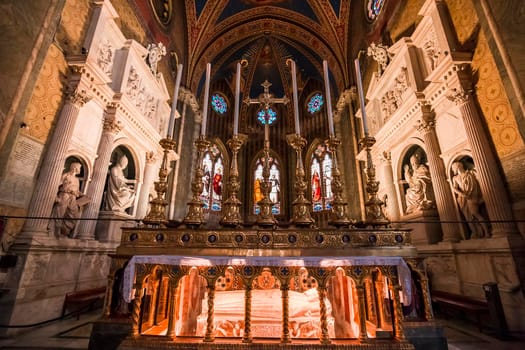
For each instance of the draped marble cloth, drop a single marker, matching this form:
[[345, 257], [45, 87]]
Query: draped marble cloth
[[313, 261]]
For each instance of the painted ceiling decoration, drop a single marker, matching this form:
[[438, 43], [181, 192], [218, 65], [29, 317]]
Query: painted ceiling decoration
[[266, 33]]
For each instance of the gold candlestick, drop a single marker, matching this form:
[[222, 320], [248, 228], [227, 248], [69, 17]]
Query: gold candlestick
[[157, 213], [231, 210], [301, 206], [195, 216], [338, 215], [373, 206], [265, 217]]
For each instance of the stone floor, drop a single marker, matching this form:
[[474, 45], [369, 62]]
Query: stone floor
[[74, 334]]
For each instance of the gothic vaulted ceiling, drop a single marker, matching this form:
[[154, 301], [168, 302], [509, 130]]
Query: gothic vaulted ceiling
[[266, 33]]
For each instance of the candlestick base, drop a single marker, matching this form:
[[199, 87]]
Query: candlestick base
[[338, 216], [375, 215], [157, 213], [301, 206], [195, 215], [231, 209]]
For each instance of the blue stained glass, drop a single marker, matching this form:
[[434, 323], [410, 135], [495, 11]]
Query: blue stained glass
[[374, 8], [219, 104], [266, 115], [315, 103]]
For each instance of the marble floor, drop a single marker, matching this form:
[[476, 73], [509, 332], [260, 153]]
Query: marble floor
[[74, 334]]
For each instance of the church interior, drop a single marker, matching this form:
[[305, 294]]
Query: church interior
[[263, 173]]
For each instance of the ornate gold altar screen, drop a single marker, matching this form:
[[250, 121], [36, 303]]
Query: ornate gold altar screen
[[250, 285]]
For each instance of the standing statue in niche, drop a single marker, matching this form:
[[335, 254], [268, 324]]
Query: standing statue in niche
[[120, 194], [468, 195], [68, 202], [418, 195]]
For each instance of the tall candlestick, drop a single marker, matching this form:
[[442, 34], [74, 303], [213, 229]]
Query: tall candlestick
[[328, 100], [237, 97], [171, 125], [206, 97], [295, 99], [361, 95]]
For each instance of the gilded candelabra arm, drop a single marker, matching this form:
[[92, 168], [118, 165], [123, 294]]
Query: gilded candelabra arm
[[157, 213], [301, 206], [195, 215], [338, 216], [375, 215], [232, 205]]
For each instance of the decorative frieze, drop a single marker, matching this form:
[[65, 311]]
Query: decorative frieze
[[105, 57], [145, 102]]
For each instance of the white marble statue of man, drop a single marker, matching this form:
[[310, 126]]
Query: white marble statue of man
[[120, 195], [468, 196], [68, 201]]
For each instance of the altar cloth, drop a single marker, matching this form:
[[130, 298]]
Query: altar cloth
[[307, 261]]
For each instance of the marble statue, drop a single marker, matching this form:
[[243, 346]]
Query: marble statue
[[69, 199], [120, 194], [469, 199], [381, 55], [418, 195], [155, 54]]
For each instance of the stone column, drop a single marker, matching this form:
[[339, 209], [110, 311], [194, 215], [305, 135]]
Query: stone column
[[285, 337], [111, 127], [324, 338], [149, 178], [490, 179], [50, 175], [395, 288], [135, 317], [392, 204], [247, 337], [445, 202], [208, 336], [172, 316]]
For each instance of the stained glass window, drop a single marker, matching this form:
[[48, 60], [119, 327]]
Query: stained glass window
[[275, 179], [266, 114], [374, 8], [219, 104], [212, 179], [321, 178], [315, 103]]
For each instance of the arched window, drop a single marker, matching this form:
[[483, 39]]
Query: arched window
[[373, 8], [321, 178], [315, 103], [219, 104], [275, 179], [213, 166]]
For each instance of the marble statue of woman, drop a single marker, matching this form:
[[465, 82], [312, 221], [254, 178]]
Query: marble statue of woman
[[469, 199], [68, 201], [120, 195], [418, 177]]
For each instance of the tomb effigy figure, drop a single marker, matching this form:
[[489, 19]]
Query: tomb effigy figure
[[468, 196], [69, 199], [417, 175], [120, 194]]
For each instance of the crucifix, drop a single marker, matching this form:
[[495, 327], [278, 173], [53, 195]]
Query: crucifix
[[266, 116]]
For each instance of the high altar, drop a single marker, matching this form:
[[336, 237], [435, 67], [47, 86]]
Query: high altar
[[196, 284]]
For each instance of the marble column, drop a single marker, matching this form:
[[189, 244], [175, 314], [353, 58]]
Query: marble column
[[172, 316], [50, 175], [149, 177], [490, 180], [285, 337], [398, 326], [392, 204], [445, 202], [111, 128]]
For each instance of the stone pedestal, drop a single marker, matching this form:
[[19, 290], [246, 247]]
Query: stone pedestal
[[109, 226], [425, 226]]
